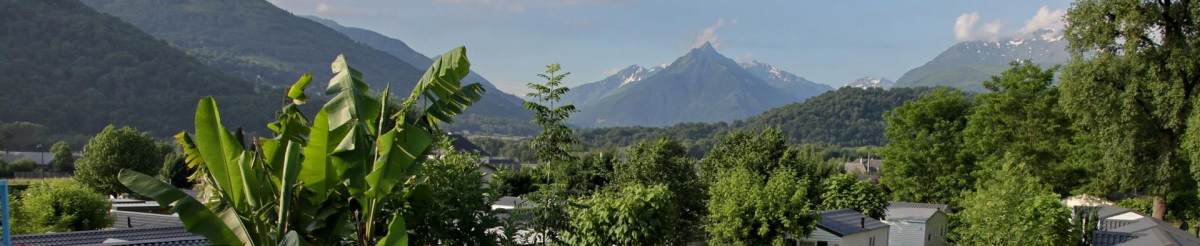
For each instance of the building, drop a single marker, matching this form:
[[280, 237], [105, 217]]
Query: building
[[1117, 226], [916, 224], [846, 227], [864, 165], [129, 228]]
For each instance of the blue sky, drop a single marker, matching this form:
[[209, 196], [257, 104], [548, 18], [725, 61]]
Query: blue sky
[[830, 42]]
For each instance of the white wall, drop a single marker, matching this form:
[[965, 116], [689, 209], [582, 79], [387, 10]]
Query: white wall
[[864, 238], [822, 235]]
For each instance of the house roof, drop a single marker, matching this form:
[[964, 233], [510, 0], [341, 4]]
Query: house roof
[[844, 222], [1108, 238], [894, 205], [1115, 228], [126, 219], [182, 241], [131, 235], [910, 214], [460, 143]]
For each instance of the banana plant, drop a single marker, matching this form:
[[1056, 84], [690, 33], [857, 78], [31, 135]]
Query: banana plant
[[321, 181]]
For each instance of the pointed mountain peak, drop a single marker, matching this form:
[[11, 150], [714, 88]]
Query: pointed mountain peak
[[706, 47]]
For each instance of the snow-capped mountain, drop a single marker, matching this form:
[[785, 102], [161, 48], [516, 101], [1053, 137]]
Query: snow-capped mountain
[[870, 82], [967, 64], [797, 86], [585, 93]]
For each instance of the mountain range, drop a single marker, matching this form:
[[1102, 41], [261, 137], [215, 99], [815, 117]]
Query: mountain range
[[967, 64], [870, 82], [701, 86]]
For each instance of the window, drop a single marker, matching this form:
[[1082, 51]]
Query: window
[[822, 243], [872, 243], [928, 237]]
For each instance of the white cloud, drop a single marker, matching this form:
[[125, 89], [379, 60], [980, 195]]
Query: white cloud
[[966, 27], [745, 58], [1044, 19], [521, 5], [611, 71], [709, 34]]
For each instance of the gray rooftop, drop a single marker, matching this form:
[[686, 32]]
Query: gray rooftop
[[126, 219], [100, 236], [844, 222], [910, 214], [943, 207]]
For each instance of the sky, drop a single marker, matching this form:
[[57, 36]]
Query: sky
[[826, 41]]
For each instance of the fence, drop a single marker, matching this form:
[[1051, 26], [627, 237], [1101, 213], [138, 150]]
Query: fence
[[40, 175]]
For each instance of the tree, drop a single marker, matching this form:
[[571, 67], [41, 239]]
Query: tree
[[61, 207], [451, 207], [343, 180], [846, 191], [1014, 208], [633, 215], [665, 162], [24, 135], [1022, 118], [1131, 88], [22, 165], [926, 161], [746, 208], [553, 148], [763, 153], [112, 150], [175, 171], [63, 161]]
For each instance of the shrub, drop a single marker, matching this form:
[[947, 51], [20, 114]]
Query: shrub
[[61, 206], [22, 165], [112, 150]]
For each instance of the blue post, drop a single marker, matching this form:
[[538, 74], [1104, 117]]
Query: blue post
[[7, 240]]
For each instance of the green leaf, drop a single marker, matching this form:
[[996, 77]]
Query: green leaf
[[441, 84], [291, 165], [218, 147], [317, 170], [291, 239], [296, 93], [397, 233], [398, 150], [196, 218]]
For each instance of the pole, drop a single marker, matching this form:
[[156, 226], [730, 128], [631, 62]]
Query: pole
[[7, 237]]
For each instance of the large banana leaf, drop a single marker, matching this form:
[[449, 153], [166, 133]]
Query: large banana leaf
[[196, 218], [317, 170], [219, 148], [397, 233], [398, 149], [291, 165], [441, 85]]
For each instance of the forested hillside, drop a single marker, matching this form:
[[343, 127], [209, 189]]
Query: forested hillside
[[75, 70], [257, 41], [845, 117]]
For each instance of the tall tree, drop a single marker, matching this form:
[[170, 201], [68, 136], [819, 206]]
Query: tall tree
[[846, 191], [112, 150], [925, 157], [63, 160], [633, 215], [1014, 208], [1022, 119], [553, 147], [763, 153], [746, 208], [1130, 86], [665, 162], [450, 207]]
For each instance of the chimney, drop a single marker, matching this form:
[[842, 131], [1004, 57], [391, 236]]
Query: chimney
[[862, 222]]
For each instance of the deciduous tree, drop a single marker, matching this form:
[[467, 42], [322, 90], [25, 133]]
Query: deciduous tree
[[115, 149], [925, 158]]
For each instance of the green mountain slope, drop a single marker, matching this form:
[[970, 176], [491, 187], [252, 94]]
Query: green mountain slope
[[494, 102], [75, 70], [967, 64], [702, 86], [844, 117], [257, 41]]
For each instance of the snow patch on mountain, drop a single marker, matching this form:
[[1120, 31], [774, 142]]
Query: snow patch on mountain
[[870, 82]]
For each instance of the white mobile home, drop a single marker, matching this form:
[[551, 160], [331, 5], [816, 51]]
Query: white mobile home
[[916, 226], [845, 227]]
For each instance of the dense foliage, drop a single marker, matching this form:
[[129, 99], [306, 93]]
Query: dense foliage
[[925, 158], [747, 208], [63, 160], [115, 74], [451, 207], [633, 215], [60, 207], [113, 150], [663, 162], [1013, 208], [1131, 88], [846, 191]]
